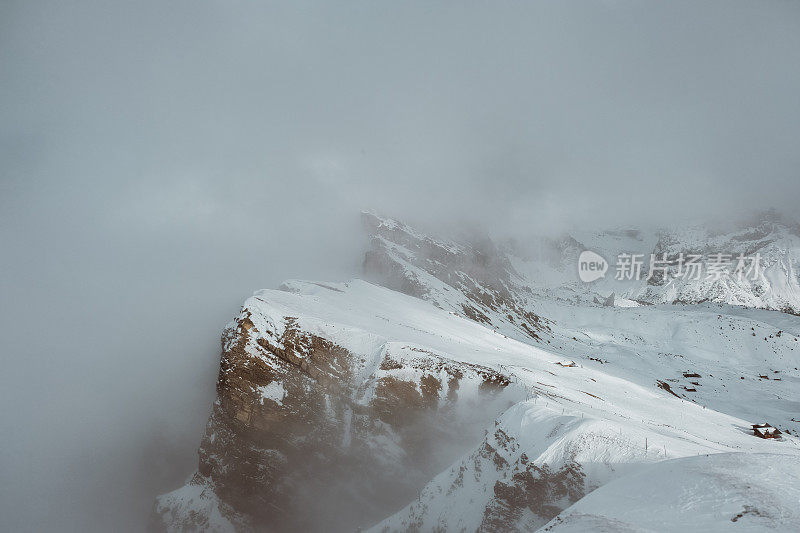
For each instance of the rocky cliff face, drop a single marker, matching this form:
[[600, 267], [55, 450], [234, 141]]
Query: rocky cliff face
[[305, 428]]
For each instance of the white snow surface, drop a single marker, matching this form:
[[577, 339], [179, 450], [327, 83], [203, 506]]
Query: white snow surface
[[607, 413], [776, 285], [273, 391], [657, 412], [195, 507], [718, 492]]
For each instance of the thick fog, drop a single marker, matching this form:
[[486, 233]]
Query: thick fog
[[159, 161]]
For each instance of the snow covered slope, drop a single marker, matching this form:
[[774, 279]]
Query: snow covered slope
[[331, 394], [774, 284], [472, 278], [579, 428], [719, 492], [464, 397]]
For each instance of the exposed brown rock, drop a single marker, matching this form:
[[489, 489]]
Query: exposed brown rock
[[284, 463]]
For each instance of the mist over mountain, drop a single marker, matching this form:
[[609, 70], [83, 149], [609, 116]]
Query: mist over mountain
[[336, 402], [160, 162]]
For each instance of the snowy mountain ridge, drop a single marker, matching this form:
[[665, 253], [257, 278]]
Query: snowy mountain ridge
[[459, 394], [768, 238]]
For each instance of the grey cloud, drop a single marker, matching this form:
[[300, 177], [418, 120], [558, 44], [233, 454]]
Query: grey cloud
[[159, 161]]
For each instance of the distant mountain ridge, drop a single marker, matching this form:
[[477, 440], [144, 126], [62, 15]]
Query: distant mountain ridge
[[501, 279], [769, 237], [474, 278]]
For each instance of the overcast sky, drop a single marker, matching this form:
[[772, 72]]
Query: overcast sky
[[159, 161]]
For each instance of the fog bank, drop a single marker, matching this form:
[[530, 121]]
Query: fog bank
[[161, 161]]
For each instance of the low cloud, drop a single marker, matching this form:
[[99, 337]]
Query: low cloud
[[160, 161]]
